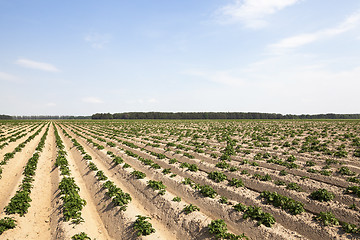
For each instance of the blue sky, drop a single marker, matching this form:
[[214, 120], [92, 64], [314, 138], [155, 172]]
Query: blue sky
[[82, 57]]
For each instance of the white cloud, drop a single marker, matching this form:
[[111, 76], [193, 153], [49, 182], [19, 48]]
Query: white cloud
[[303, 39], [92, 100], [36, 65], [7, 77], [97, 40], [222, 77], [252, 12]]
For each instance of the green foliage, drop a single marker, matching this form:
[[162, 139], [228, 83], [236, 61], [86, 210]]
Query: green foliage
[[223, 165], [101, 176], [190, 208], [294, 186], [223, 200], [126, 165], [117, 160], [143, 227], [217, 176], [188, 155], [256, 213], [286, 203], [322, 195], [7, 223], [19, 203], [87, 157], [193, 168], [240, 207], [350, 228], [176, 199], [80, 236], [218, 228], [156, 185], [327, 218], [166, 171], [353, 190], [207, 191], [345, 171], [138, 174], [236, 182], [92, 166], [173, 160]]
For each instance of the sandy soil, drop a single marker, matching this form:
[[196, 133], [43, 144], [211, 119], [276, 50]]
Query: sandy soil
[[36, 223]]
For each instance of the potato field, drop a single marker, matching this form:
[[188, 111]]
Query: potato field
[[180, 179]]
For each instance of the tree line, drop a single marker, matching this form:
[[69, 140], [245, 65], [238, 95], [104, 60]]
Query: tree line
[[5, 117], [219, 115], [45, 117]]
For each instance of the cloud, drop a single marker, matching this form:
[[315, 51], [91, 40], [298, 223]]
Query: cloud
[[303, 39], [92, 100], [252, 12], [97, 40], [36, 65], [7, 77], [222, 77]]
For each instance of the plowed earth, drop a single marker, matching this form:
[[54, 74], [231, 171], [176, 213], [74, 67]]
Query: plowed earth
[[150, 147]]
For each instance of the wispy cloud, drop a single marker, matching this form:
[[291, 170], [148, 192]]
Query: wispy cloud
[[92, 100], [97, 40], [7, 77], [252, 13], [303, 39], [36, 65]]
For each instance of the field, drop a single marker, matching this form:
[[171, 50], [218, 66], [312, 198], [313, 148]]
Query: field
[[172, 179]]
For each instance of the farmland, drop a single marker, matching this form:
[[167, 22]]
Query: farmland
[[172, 179]]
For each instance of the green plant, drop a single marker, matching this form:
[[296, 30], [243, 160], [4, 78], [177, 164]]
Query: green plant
[[143, 227], [256, 213], [87, 157], [223, 200], [294, 186], [322, 195], [173, 160], [310, 163], [156, 185], [345, 171], [353, 190], [207, 191], [286, 203], [236, 182], [101, 176], [7, 223], [218, 227], [217, 176], [193, 168], [222, 164], [92, 166], [117, 160], [126, 165], [138, 174], [327, 218], [190, 208], [176, 199], [279, 183], [240, 207], [80, 236]]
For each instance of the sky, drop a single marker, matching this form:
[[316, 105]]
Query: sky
[[87, 56]]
